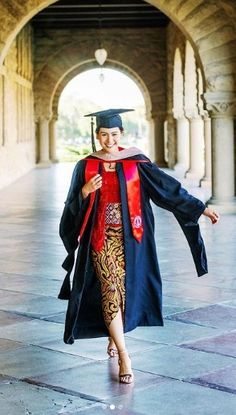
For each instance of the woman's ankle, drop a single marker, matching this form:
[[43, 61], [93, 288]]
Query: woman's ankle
[[123, 353]]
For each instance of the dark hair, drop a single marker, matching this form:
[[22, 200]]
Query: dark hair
[[98, 128]]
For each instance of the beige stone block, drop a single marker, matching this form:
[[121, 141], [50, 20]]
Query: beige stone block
[[199, 13], [223, 67], [219, 53], [221, 83], [208, 25], [221, 36]]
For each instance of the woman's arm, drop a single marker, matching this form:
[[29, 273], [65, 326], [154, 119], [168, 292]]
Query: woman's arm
[[167, 192]]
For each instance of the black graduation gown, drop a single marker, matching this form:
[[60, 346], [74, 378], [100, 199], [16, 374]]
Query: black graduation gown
[[143, 285]]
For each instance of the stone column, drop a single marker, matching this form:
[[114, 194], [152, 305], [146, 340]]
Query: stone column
[[43, 126], [196, 169], [159, 143], [52, 139], [182, 136], [206, 180], [222, 110]]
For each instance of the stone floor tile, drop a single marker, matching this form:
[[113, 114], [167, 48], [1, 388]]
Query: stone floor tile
[[197, 291], [28, 269], [29, 288], [20, 398], [173, 332], [214, 278], [188, 303], [30, 305], [56, 318], [174, 398], [230, 303], [224, 379], [224, 344], [33, 332], [30, 285], [33, 360], [168, 310], [219, 316], [98, 380], [10, 318], [97, 348], [6, 345], [179, 363], [172, 305]]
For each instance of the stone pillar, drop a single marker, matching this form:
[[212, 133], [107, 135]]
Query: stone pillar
[[159, 143], [222, 110], [151, 137], [43, 125], [196, 131], [182, 136], [52, 139], [206, 180]]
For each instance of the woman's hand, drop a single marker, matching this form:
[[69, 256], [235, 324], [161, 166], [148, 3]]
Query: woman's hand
[[212, 214], [92, 185]]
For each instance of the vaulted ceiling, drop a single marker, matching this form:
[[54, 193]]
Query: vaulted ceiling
[[93, 14]]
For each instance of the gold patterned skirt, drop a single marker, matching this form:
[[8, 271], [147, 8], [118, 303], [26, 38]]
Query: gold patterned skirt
[[109, 264]]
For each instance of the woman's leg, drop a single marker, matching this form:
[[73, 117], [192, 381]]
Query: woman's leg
[[116, 332]]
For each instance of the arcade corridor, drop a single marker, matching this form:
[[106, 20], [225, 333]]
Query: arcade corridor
[[186, 367]]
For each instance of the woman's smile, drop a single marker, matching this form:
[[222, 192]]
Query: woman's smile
[[109, 138]]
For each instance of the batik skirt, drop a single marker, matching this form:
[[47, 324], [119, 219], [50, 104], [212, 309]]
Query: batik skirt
[[109, 264]]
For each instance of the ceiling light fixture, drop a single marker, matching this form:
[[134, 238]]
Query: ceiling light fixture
[[100, 53]]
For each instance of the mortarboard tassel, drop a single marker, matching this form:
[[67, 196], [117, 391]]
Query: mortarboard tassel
[[92, 136]]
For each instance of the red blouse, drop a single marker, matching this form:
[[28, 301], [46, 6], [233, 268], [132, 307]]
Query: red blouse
[[109, 208]]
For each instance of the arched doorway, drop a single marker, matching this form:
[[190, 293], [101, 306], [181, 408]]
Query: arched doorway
[[106, 94], [86, 93]]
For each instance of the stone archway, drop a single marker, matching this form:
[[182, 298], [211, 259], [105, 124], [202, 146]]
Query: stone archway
[[93, 65], [121, 67], [195, 20], [145, 69]]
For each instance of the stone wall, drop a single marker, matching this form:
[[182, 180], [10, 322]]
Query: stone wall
[[17, 138]]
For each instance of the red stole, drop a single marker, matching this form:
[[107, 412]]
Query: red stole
[[133, 193]]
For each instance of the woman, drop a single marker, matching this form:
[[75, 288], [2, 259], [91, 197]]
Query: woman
[[108, 217]]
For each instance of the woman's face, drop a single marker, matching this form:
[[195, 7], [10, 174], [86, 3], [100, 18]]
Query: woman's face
[[109, 139]]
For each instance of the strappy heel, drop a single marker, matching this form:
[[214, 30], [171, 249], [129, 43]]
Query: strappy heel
[[126, 378], [111, 351]]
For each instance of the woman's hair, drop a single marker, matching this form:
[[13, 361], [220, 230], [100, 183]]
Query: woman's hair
[[98, 128]]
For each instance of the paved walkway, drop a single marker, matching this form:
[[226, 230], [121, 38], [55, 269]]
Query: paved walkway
[[186, 367]]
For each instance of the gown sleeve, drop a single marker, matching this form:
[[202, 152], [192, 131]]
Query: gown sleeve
[[70, 223], [74, 209], [166, 192]]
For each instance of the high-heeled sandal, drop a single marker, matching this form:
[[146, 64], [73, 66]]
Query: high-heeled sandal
[[111, 351], [130, 375]]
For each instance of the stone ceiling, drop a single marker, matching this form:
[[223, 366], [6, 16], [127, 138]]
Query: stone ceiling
[[93, 14]]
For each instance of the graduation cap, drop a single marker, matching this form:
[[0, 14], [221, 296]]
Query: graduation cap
[[107, 119]]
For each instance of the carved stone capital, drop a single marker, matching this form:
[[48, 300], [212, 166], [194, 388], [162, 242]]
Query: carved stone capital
[[159, 115], [191, 114], [54, 118], [178, 113], [220, 104]]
